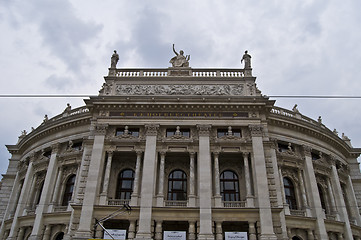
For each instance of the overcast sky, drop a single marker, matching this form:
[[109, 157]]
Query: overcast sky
[[298, 47]]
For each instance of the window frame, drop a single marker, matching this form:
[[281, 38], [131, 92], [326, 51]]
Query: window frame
[[174, 194], [290, 198], [229, 195], [121, 192], [68, 190]]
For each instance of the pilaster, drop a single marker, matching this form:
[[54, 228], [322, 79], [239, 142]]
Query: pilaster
[[192, 196], [160, 196], [104, 195], [217, 197], [135, 194]]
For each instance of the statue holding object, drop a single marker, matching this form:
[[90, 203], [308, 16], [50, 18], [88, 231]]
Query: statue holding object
[[247, 60], [180, 60]]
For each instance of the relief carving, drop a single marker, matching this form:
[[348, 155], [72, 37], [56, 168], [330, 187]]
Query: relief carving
[[256, 130], [152, 89]]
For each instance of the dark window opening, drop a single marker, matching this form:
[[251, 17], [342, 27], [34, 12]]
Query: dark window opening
[[229, 186], [125, 184], [129, 131], [315, 156], [69, 188], [290, 193], [177, 186], [77, 145], [177, 131]]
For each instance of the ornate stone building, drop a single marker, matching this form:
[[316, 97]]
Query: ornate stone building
[[200, 152]]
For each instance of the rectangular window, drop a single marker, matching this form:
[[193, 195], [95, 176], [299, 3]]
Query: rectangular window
[[222, 132]]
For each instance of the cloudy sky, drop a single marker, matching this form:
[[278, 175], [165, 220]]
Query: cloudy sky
[[299, 47]]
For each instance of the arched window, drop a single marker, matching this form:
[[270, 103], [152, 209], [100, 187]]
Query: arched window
[[322, 197], [229, 186], [59, 236], [125, 184], [177, 185], [69, 188], [290, 193]]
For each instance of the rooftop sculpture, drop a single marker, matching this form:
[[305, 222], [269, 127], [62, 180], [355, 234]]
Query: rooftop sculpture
[[180, 60]]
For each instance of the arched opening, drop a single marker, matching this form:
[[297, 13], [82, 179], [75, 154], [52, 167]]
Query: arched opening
[[290, 193], [229, 186], [177, 186], [59, 236], [296, 238], [322, 197], [68, 192], [125, 184]]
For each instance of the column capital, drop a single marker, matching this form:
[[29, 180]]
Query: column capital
[[245, 154], [256, 130], [203, 130], [163, 153], [110, 153], [151, 129], [139, 153], [100, 129], [307, 150], [332, 160], [192, 154], [216, 154], [55, 147]]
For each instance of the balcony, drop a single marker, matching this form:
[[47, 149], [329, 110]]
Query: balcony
[[299, 213], [234, 204], [171, 203], [118, 202]]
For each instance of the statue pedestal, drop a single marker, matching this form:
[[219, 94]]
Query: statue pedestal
[[180, 71]]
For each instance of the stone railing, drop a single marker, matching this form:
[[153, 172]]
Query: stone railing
[[118, 202], [60, 208], [331, 217], [164, 72], [171, 203], [234, 204], [73, 112], [300, 213], [292, 114]]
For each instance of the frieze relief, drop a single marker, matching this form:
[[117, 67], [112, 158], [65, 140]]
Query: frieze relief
[[182, 89]]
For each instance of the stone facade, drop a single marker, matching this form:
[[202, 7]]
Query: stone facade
[[199, 151]]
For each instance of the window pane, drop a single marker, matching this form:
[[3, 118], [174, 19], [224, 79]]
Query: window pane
[[177, 185]]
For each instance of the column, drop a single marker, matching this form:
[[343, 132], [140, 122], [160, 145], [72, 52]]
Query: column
[[158, 230], [352, 201], [314, 196], [252, 231], [332, 200], [91, 187], [104, 195], [55, 200], [148, 181], [131, 233], [31, 200], [135, 194], [160, 197], [192, 230], [21, 233], [205, 184], [21, 201], [310, 234], [261, 184], [192, 183], [249, 196], [46, 194], [47, 233], [340, 203], [219, 235], [217, 196], [303, 193]]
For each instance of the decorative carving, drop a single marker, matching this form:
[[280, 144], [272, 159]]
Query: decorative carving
[[256, 130], [203, 130], [180, 60], [194, 89], [114, 60], [307, 150], [247, 60], [100, 129], [106, 89], [151, 129]]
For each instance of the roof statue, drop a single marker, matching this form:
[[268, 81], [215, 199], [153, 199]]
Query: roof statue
[[114, 59], [247, 60], [180, 60]]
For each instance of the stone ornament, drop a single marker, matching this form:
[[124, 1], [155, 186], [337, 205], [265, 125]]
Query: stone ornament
[[256, 130], [180, 60], [151, 129], [204, 130], [247, 60], [180, 89], [114, 60]]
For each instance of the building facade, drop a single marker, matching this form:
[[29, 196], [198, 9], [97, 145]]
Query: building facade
[[197, 152]]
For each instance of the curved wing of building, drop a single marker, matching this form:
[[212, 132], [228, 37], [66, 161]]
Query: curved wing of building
[[181, 153]]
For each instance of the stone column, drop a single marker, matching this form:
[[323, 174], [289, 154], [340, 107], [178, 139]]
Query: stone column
[[312, 189], [92, 186], [219, 235], [55, 200], [192, 230], [310, 234], [252, 231], [148, 181], [160, 197], [192, 183], [135, 194], [131, 233], [47, 233], [249, 196], [45, 198], [340, 202], [21, 233], [217, 195], [21, 202], [31, 201], [352, 201], [332, 200], [205, 184], [301, 184], [104, 195], [158, 230], [261, 184], [285, 205]]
